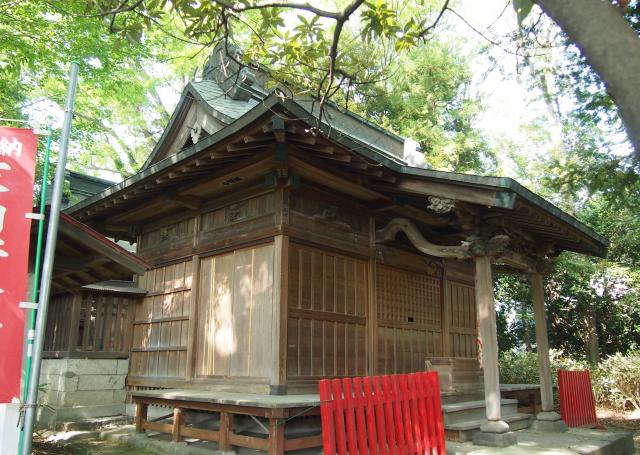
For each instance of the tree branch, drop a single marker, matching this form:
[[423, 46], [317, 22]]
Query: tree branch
[[240, 7], [444, 8]]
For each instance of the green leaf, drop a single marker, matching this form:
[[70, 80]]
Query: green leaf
[[522, 7]]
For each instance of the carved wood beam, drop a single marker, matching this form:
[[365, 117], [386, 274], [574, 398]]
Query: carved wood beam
[[396, 225], [495, 247]]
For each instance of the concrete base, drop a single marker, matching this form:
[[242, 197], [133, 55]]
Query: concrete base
[[495, 439], [557, 426], [494, 426], [78, 389], [576, 441], [549, 421], [550, 416], [52, 417], [9, 433]]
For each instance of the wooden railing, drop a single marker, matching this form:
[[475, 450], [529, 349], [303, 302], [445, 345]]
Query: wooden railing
[[387, 415], [88, 325]]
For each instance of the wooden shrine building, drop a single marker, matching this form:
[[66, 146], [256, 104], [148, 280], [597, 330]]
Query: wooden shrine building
[[286, 249]]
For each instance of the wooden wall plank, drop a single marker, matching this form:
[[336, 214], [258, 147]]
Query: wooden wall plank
[[235, 314], [409, 317], [327, 308], [261, 348]]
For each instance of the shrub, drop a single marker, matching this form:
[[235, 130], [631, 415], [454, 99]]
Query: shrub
[[621, 379], [519, 368], [616, 381]]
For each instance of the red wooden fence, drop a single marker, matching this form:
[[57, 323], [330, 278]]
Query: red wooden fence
[[577, 404], [387, 415]]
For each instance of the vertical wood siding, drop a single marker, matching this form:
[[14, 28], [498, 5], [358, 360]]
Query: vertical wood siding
[[409, 319], [101, 326], [160, 328], [463, 332], [58, 331], [327, 306], [235, 314]]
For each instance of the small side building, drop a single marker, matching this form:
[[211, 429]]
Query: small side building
[[85, 358]]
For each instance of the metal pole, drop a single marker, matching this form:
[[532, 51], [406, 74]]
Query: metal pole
[[36, 276], [47, 268]]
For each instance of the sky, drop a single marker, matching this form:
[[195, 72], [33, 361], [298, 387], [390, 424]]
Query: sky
[[509, 104]]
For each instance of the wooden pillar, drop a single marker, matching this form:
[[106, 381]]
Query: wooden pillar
[[542, 342], [141, 416], [489, 339], [178, 418], [278, 375], [276, 437], [226, 426]]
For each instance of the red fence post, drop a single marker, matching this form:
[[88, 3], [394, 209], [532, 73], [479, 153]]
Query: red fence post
[[326, 416]]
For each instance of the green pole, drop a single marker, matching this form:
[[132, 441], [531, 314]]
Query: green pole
[[36, 273]]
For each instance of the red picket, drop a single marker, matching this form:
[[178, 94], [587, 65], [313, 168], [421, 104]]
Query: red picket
[[577, 403], [352, 441], [437, 409], [385, 448], [431, 430], [371, 420], [341, 442], [360, 422], [420, 421], [397, 412], [385, 415], [389, 417], [326, 414], [414, 428]]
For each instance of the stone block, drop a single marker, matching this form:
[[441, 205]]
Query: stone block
[[495, 439], [123, 366], [49, 397], [119, 396], [92, 366], [53, 366], [100, 382], [86, 398], [62, 383]]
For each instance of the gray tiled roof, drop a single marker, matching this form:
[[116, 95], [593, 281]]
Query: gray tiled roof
[[212, 94]]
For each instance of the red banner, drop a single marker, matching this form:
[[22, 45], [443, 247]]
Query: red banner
[[17, 166]]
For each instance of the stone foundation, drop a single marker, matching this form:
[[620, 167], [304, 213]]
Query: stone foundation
[[74, 389]]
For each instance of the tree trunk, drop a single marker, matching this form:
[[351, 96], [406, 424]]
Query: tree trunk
[[526, 332], [611, 47], [591, 336]]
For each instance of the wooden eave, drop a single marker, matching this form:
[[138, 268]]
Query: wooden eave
[[84, 256], [326, 155]]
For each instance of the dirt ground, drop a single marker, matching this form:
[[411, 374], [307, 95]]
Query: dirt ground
[[85, 447], [622, 421], [611, 419]]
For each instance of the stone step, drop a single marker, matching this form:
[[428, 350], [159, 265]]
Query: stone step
[[475, 410], [94, 424], [459, 397], [464, 431]]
